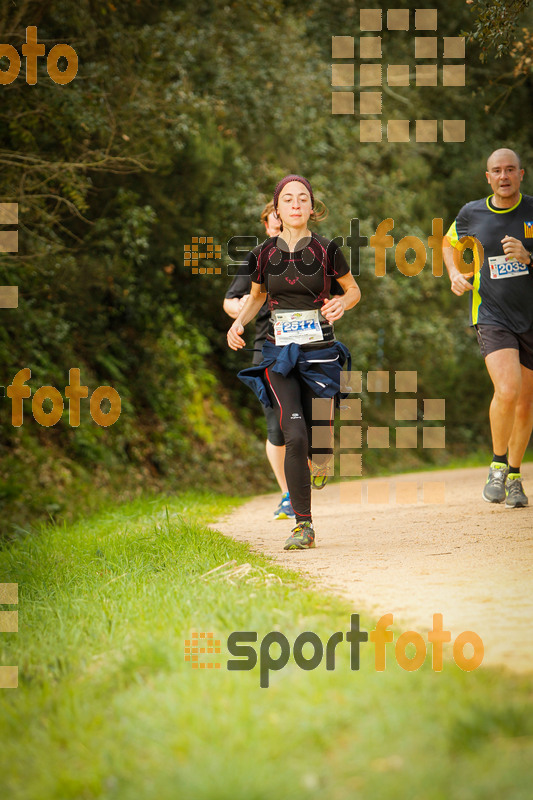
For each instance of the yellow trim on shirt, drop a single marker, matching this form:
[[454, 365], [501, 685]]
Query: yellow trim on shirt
[[451, 235], [476, 297], [466, 243], [502, 210]]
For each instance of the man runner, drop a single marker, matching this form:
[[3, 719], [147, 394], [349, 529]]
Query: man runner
[[502, 313], [235, 298]]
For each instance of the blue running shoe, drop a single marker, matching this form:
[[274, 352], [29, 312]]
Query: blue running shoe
[[285, 509]]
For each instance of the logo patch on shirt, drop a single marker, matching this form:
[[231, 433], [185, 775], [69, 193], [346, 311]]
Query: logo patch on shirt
[[528, 229]]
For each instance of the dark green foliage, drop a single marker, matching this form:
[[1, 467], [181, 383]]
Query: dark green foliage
[[495, 25], [181, 119]]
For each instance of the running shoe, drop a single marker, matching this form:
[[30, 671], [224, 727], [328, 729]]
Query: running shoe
[[319, 475], [515, 497], [302, 537], [285, 509], [494, 489]]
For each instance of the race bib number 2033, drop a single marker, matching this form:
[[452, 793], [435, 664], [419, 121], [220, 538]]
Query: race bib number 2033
[[500, 268]]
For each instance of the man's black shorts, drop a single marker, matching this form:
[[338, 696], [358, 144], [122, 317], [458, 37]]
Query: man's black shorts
[[492, 338]]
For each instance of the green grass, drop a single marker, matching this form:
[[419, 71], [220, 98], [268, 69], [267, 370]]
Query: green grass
[[107, 707]]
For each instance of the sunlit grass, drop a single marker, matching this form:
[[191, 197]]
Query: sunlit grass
[[107, 706]]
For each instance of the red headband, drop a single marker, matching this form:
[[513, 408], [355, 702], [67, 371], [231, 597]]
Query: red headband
[[288, 179]]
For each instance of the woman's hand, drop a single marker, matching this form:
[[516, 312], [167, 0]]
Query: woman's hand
[[333, 309], [235, 340]]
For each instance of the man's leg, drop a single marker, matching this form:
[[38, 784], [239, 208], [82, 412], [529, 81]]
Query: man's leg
[[275, 447], [506, 374], [275, 450], [276, 458], [523, 421], [511, 420], [521, 433]]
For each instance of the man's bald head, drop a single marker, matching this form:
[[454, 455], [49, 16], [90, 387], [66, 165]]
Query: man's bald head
[[504, 174], [503, 152]]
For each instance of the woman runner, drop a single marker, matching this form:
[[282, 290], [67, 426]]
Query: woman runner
[[302, 360]]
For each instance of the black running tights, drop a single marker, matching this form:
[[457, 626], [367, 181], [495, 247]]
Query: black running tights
[[293, 400]]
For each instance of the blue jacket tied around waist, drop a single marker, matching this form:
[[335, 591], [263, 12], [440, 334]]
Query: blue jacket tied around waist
[[320, 368]]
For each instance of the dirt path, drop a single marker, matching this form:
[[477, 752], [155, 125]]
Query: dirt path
[[467, 559]]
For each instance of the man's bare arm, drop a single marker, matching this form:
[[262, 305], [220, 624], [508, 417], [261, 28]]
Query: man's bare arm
[[459, 282], [233, 305]]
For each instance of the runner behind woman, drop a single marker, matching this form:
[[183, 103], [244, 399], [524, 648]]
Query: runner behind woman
[[302, 360], [236, 296]]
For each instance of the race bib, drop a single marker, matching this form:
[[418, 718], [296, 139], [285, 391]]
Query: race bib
[[300, 327], [500, 268]]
